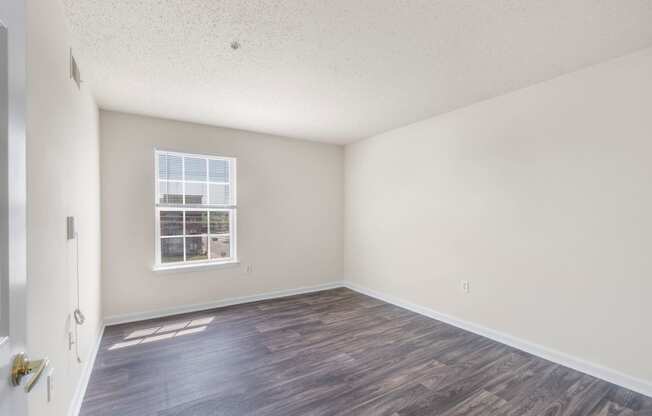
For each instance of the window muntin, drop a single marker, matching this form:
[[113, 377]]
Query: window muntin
[[195, 209]]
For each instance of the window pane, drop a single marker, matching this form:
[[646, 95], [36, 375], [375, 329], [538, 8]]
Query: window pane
[[171, 223], [218, 170], [171, 249], [196, 222], [220, 194], [220, 247], [219, 222], [200, 220], [169, 167], [170, 192], [196, 248], [196, 193], [195, 169]]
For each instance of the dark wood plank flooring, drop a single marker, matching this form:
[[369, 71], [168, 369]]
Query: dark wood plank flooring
[[334, 352]]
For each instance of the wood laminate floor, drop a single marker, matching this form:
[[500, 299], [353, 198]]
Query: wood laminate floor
[[334, 352]]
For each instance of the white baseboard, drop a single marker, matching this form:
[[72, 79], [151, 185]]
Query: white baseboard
[[558, 357], [608, 374], [82, 384], [141, 316]]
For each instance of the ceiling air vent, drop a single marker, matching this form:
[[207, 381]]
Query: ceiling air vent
[[75, 75]]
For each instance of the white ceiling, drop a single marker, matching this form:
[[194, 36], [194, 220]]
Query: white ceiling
[[337, 70]]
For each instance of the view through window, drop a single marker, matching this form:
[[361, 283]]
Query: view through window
[[195, 209]]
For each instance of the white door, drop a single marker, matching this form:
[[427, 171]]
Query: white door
[[13, 400]]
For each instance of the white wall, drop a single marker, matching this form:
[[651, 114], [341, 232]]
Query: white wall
[[541, 198], [62, 179], [290, 216]]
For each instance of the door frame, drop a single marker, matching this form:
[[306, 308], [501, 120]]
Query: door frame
[[13, 205]]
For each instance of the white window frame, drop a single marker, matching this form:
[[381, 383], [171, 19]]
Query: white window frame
[[232, 209]]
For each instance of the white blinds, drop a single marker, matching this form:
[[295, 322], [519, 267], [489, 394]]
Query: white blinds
[[192, 180]]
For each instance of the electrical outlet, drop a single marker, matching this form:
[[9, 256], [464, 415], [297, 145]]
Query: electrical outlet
[[249, 268], [466, 286], [50, 384]]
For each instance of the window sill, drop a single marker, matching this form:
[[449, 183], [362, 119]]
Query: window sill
[[196, 267]]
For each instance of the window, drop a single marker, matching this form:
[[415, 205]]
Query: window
[[195, 209]]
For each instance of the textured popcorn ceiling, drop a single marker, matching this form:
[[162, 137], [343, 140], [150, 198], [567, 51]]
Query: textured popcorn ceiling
[[337, 70]]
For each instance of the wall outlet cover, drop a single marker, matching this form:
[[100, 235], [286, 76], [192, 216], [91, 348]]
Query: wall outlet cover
[[466, 286]]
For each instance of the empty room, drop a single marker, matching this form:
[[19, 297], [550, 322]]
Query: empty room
[[326, 208]]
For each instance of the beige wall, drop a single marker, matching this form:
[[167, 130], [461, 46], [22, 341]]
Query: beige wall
[[290, 216], [541, 198], [62, 179]]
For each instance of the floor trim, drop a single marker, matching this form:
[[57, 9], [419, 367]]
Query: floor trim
[[141, 316], [636, 384], [82, 384], [613, 376]]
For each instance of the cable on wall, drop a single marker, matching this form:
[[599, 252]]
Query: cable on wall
[[78, 315]]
